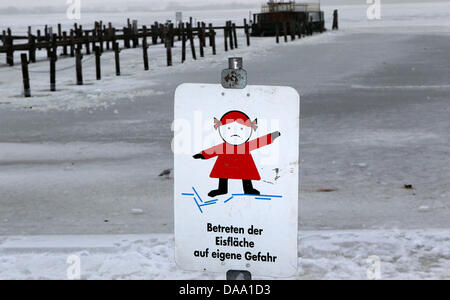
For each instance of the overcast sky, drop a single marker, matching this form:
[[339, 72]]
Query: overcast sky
[[110, 3], [158, 4]]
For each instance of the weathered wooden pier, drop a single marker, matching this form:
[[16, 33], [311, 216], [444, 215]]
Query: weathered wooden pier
[[67, 43], [79, 41]]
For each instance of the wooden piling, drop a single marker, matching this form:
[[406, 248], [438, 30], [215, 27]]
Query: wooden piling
[[203, 34], [134, 39], [183, 43], [80, 37], [32, 48], [277, 33], [200, 40], [117, 58], [230, 35], [212, 38], [100, 36], [108, 36], [38, 39], [285, 32], [113, 37], [25, 75], [72, 43], [321, 22], [53, 70], [172, 35], [54, 49], [98, 70], [292, 30], [59, 32], [247, 32], [9, 47], [126, 37], [49, 43], [94, 36], [191, 41], [86, 41], [335, 20], [210, 34], [169, 52], [225, 37], [155, 33], [78, 66], [161, 33], [64, 38], [234, 35], [145, 48], [310, 26]]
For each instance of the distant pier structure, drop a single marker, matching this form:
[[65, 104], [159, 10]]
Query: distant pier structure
[[288, 18]]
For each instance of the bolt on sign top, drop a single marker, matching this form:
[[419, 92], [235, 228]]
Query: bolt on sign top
[[236, 178]]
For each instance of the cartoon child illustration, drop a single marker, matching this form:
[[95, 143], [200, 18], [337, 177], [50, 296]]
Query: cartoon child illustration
[[234, 160]]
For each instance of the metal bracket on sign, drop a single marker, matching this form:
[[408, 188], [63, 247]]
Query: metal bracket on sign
[[235, 77]]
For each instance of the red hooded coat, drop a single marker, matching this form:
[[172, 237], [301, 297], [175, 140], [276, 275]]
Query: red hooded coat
[[236, 162]]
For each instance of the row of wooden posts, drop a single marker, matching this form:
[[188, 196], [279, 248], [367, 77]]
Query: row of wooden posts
[[106, 36], [301, 29], [292, 29], [101, 37], [131, 37]]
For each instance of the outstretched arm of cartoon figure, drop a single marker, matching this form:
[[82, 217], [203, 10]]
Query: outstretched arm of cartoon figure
[[210, 152], [264, 140], [275, 135]]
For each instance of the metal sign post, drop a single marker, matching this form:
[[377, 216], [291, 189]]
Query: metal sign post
[[235, 77], [236, 177]]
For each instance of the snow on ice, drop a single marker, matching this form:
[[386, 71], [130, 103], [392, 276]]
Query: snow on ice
[[403, 254]]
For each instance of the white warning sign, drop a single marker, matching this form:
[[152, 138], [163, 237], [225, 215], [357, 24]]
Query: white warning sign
[[236, 178]]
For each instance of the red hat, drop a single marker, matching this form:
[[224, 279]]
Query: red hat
[[235, 116]]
